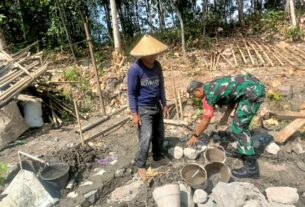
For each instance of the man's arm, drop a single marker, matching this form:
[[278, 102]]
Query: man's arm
[[203, 125], [132, 85], [162, 89]]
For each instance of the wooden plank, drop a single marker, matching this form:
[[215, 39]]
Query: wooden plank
[[287, 115], [289, 130]]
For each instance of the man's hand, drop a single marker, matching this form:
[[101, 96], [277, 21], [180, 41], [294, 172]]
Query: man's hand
[[165, 112], [136, 119], [192, 141]]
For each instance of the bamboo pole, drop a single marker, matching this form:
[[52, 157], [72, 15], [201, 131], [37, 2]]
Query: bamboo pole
[[234, 57], [78, 122], [257, 53], [296, 55], [226, 60], [180, 105], [216, 62], [281, 55], [98, 85], [175, 93], [301, 51], [262, 49], [241, 52], [273, 54], [249, 53]]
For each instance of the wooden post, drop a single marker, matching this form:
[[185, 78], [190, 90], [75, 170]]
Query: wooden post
[[98, 86], [175, 93], [233, 53], [180, 105], [78, 122]]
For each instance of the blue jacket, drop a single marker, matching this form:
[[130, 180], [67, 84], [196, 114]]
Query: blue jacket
[[145, 85]]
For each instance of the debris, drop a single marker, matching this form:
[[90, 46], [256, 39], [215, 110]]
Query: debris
[[176, 152], [151, 174], [200, 196], [237, 194], [190, 153], [301, 165], [98, 171], [72, 195], [297, 148], [91, 196], [286, 115], [12, 124], [127, 192], [273, 148], [176, 122], [119, 172], [290, 129], [107, 160], [271, 122], [27, 189], [286, 195], [88, 182]]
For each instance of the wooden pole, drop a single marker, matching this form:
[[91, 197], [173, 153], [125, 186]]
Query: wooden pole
[[262, 49], [78, 122], [257, 53], [175, 93], [233, 52], [274, 55], [226, 60], [249, 53], [180, 105], [98, 85]]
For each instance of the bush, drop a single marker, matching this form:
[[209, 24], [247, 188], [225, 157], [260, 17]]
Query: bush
[[295, 34], [273, 22], [3, 170]]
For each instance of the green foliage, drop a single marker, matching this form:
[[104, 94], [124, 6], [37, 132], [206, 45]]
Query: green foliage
[[273, 21], [3, 171], [295, 34], [72, 74], [274, 96]]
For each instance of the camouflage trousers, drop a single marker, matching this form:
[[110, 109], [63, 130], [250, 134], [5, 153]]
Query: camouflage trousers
[[245, 111]]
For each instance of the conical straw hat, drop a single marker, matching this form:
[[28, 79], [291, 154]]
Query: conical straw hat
[[148, 46]]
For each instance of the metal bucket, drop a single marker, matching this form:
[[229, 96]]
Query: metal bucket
[[216, 172], [195, 176], [56, 175], [215, 154]]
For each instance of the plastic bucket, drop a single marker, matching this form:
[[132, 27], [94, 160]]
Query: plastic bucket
[[167, 195], [195, 176], [215, 154], [218, 171], [56, 174]]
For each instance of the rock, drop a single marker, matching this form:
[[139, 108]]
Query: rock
[[176, 152], [126, 193], [286, 195], [200, 196], [72, 195], [26, 190], [304, 194], [165, 144], [88, 182], [237, 194], [129, 171], [119, 173], [91, 196], [273, 204], [298, 149], [273, 148], [190, 153], [252, 203]]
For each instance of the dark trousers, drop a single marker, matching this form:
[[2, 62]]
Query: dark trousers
[[151, 130]]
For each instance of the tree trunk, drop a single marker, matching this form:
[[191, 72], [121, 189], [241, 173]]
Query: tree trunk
[[115, 26], [137, 16], [240, 5], [292, 13], [181, 26], [108, 18], [2, 40], [204, 16], [149, 17], [161, 16], [66, 30]]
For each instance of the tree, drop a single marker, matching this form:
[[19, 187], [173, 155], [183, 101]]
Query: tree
[[161, 15], [107, 17], [240, 5], [115, 26], [174, 5], [292, 13], [149, 17]]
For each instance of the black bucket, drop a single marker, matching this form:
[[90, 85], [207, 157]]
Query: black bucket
[[56, 175]]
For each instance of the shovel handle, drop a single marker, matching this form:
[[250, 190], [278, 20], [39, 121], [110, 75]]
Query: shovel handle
[[32, 157]]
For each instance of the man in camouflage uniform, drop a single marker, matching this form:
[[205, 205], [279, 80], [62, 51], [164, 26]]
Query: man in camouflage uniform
[[243, 92]]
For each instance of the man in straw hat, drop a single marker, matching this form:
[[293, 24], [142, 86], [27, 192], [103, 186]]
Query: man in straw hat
[[243, 92], [147, 100]]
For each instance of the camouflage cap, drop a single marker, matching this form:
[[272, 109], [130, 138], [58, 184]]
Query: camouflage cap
[[193, 85]]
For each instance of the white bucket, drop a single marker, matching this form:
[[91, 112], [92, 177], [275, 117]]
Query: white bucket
[[33, 114], [167, 195]]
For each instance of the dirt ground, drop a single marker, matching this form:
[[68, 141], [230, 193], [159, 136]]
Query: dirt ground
[[63, 144]]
